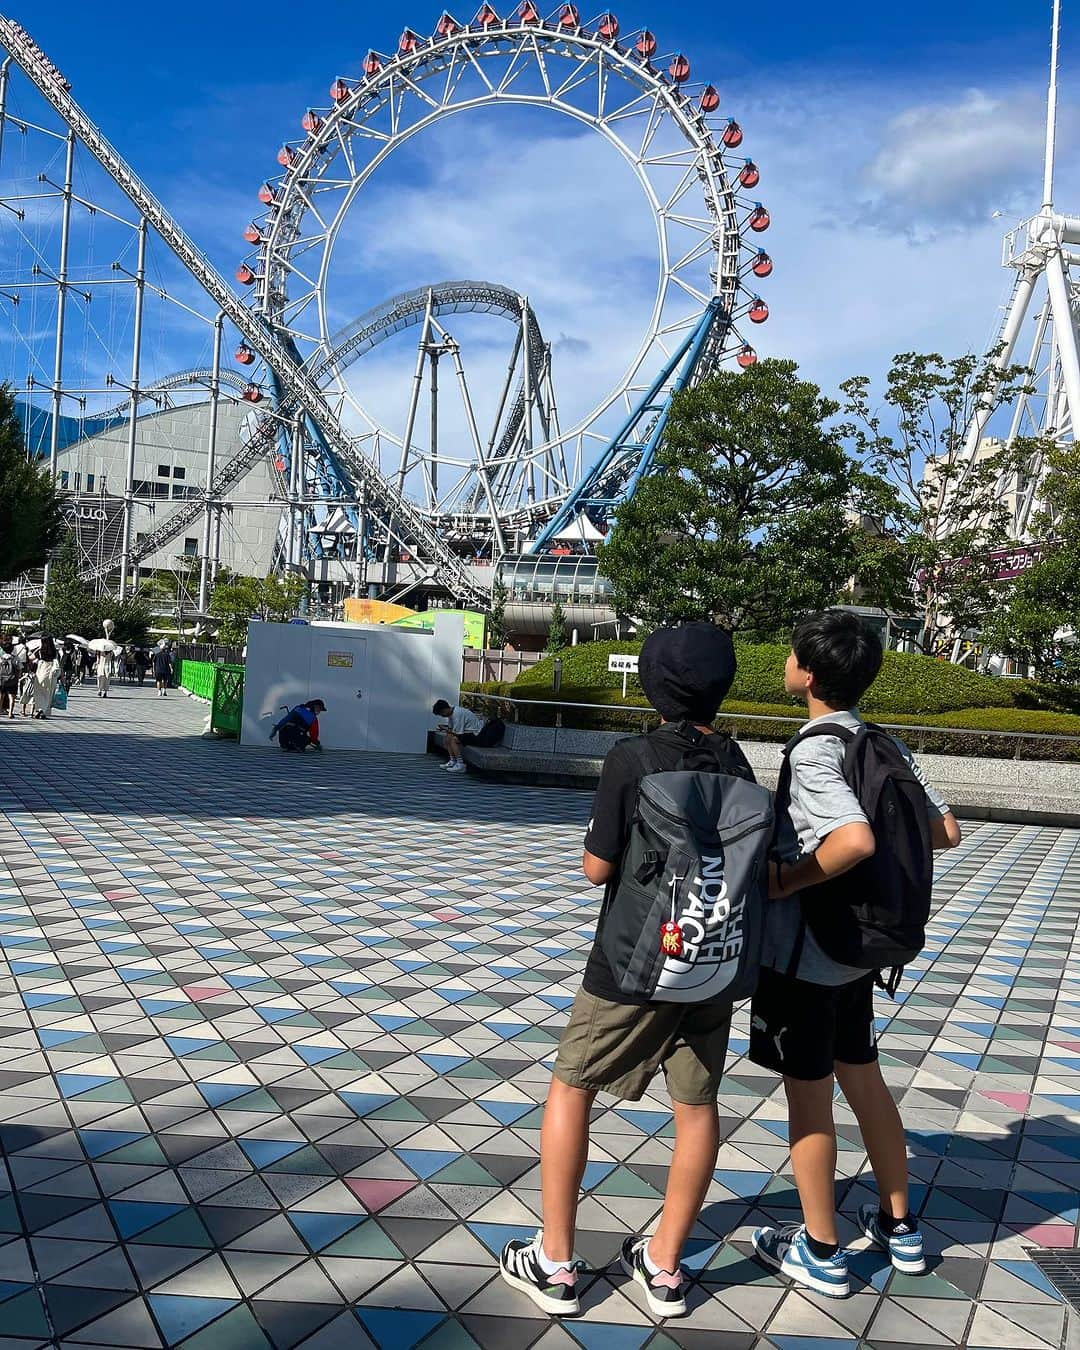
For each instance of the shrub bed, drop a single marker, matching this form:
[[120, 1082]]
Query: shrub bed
[[909, 684]]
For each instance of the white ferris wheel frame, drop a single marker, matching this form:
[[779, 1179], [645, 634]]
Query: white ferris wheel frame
[[377, 112]]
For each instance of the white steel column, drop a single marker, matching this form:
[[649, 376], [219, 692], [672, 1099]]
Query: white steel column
[[299, 487], [1064, 331], [527, 429], [61, 313], [211, 456], [5, 73], [478, 449], [1010, 331], [133, 422], [358, 552], [61, 302]]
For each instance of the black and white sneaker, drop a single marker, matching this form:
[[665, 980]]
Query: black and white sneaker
[[520, 1267], [664, 1291]]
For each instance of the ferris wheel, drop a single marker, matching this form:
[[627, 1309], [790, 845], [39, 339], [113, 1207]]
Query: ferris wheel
[[698, 186]]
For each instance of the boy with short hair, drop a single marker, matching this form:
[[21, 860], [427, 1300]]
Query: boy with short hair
[[812, 1019], [464, 727], [615, 1042]]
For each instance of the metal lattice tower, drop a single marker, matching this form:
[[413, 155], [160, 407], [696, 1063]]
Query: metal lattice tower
[[1044, 253]]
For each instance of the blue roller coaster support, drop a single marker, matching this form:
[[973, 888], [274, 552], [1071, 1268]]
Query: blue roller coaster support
[[336, 483], [628, 457]]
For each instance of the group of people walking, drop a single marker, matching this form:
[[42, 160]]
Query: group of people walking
[[29, 680], [36, 676], [717, 890]]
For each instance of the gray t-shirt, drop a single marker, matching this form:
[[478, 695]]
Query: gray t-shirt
[[821, 801], [464, 720]]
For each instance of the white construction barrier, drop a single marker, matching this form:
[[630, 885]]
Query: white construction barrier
[[378, 682]]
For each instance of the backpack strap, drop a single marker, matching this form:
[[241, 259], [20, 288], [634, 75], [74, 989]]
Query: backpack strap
[[842, 733], [783, 796]]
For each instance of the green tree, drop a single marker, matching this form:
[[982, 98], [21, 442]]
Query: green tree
[[30, 521], [496, 619], [744, 521], [932, 512], [70, 604], [237, 600], [557, 637], [1037, 618]]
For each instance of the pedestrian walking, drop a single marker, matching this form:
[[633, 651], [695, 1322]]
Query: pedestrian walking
[[27, 662], [103, 670], [68, 665], [9, 677], [163, 670], [46, 678]]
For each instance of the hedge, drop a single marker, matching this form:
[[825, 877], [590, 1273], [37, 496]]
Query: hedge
[[906, 684]]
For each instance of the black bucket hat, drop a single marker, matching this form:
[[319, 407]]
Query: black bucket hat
[[686, 671]]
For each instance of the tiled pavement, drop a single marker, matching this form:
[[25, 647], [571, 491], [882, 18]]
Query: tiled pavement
[[274, 1031]]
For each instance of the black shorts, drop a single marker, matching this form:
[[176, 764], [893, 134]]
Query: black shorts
[[800, 1030]]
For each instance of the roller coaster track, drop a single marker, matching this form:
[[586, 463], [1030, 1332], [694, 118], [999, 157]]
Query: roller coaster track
[[362, 336], [448, 297], [299, 389]]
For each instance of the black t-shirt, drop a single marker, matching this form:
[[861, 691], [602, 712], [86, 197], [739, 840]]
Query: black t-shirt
[[609, 830]]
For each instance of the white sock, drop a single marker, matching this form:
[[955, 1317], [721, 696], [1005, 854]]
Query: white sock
[[650, 1264], [547, 1265]]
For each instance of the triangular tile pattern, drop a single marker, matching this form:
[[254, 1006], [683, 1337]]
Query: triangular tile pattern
[[275, 1037]]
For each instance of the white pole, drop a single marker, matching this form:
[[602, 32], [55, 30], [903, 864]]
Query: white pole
[[1051, 111], [414, 399], [133, 424], [1014, 320], [481, 465], [1064, 332], [61, 311], [211, 452], [5, 70]]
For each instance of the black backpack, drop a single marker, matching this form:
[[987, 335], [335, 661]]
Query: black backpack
[[686, 915], [874, 916]]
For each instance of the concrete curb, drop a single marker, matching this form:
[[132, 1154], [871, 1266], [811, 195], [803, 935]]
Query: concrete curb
[[1014, 792]]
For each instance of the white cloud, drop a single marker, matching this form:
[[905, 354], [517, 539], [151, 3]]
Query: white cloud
[[948, 165], [873, 255]]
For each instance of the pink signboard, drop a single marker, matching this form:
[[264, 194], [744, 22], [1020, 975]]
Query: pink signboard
[[1009, 562]]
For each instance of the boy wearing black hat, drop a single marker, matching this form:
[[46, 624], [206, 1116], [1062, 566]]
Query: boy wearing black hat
[[615, 1042]]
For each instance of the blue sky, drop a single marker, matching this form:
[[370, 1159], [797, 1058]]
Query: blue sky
[[887, 136]]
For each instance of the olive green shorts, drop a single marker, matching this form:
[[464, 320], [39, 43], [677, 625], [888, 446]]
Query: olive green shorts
[[618, 1047]]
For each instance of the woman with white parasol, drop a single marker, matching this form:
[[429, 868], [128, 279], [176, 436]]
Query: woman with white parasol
[[105, 648]]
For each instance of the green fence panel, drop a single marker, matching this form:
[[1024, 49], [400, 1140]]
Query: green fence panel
[[227, 705], [197, 677]]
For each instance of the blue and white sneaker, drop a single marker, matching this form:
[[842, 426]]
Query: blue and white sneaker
[[787, 1250], [905, 1248]]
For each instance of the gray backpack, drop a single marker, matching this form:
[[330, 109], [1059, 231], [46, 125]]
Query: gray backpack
[[687, 914]]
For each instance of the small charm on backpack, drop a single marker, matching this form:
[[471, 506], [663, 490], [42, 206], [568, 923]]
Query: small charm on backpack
[[671, 939]]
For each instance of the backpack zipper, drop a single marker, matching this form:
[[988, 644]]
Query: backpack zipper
[[724, 843]]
